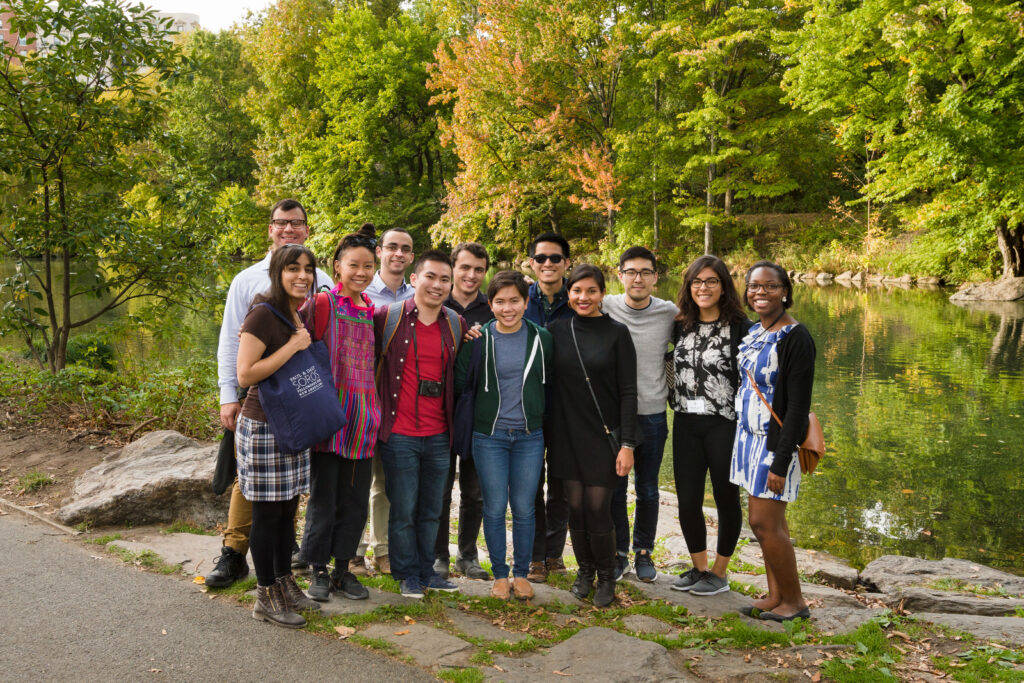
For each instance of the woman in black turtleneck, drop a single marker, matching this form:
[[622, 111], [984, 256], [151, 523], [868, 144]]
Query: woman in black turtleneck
[[580, 452]]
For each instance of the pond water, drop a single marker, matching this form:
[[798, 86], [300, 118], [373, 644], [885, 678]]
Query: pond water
[[921, 402]]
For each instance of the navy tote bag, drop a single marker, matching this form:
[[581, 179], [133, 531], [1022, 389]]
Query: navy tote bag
[[300, 400]]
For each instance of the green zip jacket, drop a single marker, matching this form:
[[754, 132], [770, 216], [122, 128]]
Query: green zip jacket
[[536, 370]]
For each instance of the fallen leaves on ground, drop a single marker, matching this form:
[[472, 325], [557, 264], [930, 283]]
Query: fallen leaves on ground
[[402, 633], [344, 631], [201, 580]]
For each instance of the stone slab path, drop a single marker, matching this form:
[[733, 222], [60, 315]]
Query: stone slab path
[[456, 637]]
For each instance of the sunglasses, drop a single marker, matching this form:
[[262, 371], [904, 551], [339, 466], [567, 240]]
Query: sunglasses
[[544, 258]]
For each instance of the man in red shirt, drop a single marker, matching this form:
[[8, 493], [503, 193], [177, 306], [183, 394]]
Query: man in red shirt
[[416, 377]]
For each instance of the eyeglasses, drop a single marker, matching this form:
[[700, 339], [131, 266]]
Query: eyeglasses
[[544, 258], [710, 283], [284, 223], [767, 287], [630, 274]]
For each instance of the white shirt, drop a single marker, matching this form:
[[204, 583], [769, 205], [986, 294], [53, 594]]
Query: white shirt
[[382, 295], [252, 281]]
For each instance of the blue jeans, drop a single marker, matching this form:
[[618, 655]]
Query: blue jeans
[[508, 465], [646, 466], [415, 471]]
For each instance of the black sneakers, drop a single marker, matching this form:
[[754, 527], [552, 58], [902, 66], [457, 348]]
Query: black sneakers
[[319, 585], [348, 585], [230, 567]]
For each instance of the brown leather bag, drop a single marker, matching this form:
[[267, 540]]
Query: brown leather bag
[[813, 447]]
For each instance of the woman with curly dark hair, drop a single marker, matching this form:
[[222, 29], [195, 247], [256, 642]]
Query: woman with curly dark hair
[[708, 331]]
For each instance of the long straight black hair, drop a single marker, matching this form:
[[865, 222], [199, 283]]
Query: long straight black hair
[[729, 306], [283, 256]]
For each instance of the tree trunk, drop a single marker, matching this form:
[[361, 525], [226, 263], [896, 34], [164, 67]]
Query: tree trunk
[[709, 200], [1011, 246], [727, 207], [610, 225]]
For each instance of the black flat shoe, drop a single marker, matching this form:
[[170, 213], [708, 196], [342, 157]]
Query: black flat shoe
[[750, 611], [805, 613]]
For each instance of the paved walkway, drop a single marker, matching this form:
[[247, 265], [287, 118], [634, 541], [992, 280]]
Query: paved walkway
[[70, 614]]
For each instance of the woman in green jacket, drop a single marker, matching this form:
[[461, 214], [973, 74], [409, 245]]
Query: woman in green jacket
[[512, 362]]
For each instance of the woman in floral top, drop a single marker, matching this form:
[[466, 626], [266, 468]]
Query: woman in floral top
[[709, 328]]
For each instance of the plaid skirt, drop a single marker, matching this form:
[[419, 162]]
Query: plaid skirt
[[265, 474]]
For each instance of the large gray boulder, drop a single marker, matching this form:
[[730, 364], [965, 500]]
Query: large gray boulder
[[1006, 289], [162, 477], [916, 600], [890, 573], [1008, 629]]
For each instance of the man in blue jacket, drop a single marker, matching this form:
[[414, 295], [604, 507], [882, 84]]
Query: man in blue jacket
[[549, 259]]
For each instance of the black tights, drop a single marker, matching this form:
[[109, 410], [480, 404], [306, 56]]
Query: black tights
[[590, 507], [702, 444], [271, 539]]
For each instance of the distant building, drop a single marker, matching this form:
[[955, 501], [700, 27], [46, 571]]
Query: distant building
[[183, 22], [22, 44]]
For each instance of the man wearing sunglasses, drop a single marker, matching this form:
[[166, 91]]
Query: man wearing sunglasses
[[287, 226], [548, 301]]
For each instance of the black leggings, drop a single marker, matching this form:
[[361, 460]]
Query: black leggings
[[271, 539], [702, 443], [590, 507]]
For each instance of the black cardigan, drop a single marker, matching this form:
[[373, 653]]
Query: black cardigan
[[792, 400]]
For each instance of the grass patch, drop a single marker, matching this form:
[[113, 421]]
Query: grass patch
[[986, 663], [467, 675], [482, 657], [103, 540], [378, 644], [146, 559], [238, 588], [180, 527], [31, 482], [961, 586], [744, 589]]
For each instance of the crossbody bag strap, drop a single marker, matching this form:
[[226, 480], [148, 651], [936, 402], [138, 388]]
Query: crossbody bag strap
[[761, 396], [572, 328], [278, 313]]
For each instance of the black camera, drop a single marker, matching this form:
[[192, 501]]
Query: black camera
[[430, 388]]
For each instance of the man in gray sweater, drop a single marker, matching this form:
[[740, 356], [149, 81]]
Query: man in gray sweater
[[650, 321]]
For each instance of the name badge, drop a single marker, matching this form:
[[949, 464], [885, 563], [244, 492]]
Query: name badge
[[695, 405]]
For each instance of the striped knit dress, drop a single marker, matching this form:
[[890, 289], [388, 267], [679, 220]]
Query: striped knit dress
[[349, 337]]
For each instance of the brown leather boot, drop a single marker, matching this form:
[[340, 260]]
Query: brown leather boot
[[538, 572], [271, 606], [297, 600]]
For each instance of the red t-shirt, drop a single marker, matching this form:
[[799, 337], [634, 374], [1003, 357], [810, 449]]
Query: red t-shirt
[[422, 415]]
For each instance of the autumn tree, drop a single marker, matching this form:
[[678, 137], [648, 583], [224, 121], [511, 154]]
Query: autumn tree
[[534, 95]]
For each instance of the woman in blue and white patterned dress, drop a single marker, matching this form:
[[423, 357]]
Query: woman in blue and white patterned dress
[[778, 354]]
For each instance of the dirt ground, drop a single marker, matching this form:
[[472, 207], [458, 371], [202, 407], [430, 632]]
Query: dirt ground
[[59, 453]]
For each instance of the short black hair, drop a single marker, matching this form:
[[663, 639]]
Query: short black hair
[[507, 278], [549, 237], [288, 205], [475, 248], [435, 255], [365, 237], [783, 277], [638, 252], [583, 272]]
